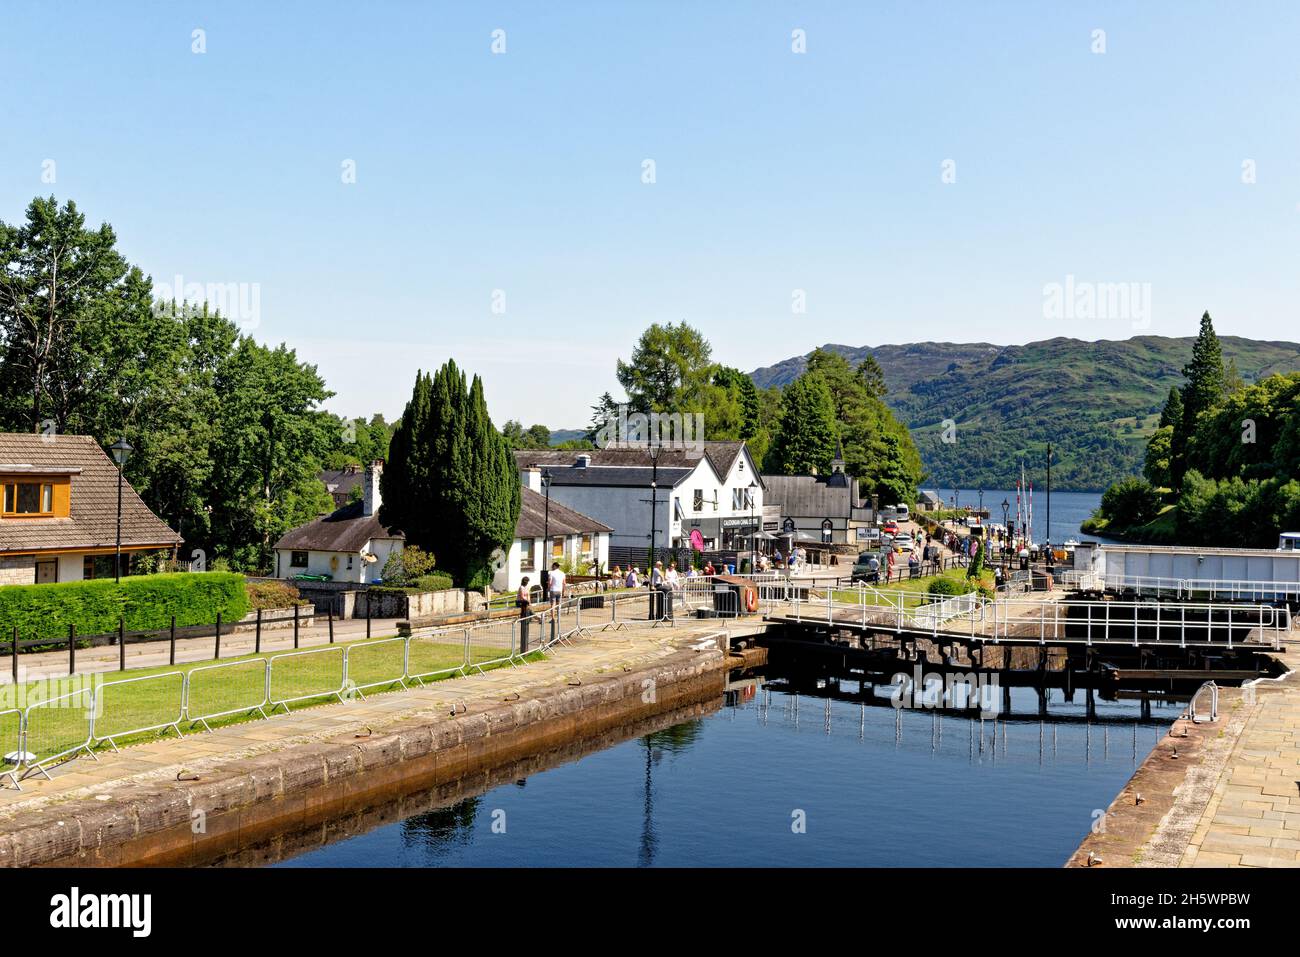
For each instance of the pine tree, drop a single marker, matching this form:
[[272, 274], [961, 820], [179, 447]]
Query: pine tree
[[749, 409], [806, 435], [1204, 388]]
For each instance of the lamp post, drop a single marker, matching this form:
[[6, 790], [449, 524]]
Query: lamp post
[[654, 449], [121, 452], [1006, 532], [753, 531], [546, 536]]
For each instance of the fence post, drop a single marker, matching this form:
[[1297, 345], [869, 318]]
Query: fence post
[[72, 649], [121, 643], [331, 617], [370, 608], [217, 651], [171, 656], [295, 626], [257, 634], [15, 655]]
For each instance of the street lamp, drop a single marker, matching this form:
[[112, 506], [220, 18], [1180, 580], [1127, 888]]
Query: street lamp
[[1006, 531], [121, 450], [753, 531], [654, 449], [546, 536]]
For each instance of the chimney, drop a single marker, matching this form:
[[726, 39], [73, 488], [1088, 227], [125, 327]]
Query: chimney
[[531, 477], [370, 488], [583, 461]]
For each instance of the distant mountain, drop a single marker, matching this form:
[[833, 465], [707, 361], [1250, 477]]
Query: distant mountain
[[1096, 402], [559, 436]]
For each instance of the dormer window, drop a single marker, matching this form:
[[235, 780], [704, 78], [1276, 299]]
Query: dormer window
[[29, 498]]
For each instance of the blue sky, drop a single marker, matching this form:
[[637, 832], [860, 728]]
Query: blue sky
[[774, 172]]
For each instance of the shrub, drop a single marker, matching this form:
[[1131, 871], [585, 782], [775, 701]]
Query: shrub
[[435, 581], [145, 602], [273, 594], [952, 586], [404, 567]]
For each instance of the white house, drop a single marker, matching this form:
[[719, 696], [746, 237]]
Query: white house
[[348, 545], [712, 492], [547, 533]]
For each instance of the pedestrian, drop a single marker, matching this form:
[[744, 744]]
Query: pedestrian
[[633, 580], [524, 602], [709, 570], [556, 583]]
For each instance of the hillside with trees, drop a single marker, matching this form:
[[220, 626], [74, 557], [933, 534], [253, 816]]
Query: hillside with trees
[[1097, 403]]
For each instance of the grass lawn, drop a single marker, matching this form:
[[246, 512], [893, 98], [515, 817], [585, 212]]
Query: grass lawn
[[913, 591], [146, 697]]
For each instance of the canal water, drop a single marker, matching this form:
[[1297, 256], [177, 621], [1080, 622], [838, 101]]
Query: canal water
[[1069, 509], [775, 778]]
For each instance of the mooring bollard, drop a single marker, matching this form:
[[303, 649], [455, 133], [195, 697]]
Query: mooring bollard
[[217, 652], [257, 637], [121, 644], [72, 649], [171, 645], [295, 626]]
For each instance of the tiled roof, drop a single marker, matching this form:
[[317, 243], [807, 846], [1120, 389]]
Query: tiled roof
[[344, 530], [340, 482], [92, 522], [810, 495], [563, 521]]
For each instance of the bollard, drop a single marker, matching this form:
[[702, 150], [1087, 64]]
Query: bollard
[[369, 609], [15, 656], [171, 644], [216, 654], [331, 619], [295, 626], [72, 649], [121, 644], [257, 636]]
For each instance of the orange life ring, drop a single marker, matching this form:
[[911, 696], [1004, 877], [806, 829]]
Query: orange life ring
[[751, 599]]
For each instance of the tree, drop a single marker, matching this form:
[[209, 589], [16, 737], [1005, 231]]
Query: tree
[[1204, 373], [669, 369], [870, 372], [451, 485], [806, 436], [534, 437], [1129, 503]]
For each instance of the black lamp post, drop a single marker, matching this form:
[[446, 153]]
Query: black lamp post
[[546, 536], [753, 531], [121, 452], [1006, 531], [654, 449]]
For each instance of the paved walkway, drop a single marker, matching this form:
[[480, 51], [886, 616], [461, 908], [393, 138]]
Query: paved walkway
[[167, 757], [1252, 818]]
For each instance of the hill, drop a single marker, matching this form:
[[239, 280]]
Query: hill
[[1096, 402]]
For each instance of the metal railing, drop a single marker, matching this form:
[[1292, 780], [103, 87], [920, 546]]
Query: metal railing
[[1196, 716], [62, 726], [1211, 588], [1185, 624]]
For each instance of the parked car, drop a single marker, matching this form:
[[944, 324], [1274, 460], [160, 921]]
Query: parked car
[[904, 542], [891, 528]]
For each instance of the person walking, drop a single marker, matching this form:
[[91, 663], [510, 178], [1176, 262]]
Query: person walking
[[556, 583], [524, 602]]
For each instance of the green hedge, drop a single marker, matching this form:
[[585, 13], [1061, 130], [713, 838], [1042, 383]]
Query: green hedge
[[950, 586], [146, 602]]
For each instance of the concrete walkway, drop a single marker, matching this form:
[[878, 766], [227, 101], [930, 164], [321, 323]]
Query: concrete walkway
[[168, 758]]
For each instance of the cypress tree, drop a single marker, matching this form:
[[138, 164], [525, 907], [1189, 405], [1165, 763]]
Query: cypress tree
[[806, 435], [451, 484], [1203, 390]]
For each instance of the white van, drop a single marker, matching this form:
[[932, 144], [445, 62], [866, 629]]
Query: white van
[[901, 513], [1289, 542]]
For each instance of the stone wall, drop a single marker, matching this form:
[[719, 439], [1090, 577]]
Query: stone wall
[[20, 570]]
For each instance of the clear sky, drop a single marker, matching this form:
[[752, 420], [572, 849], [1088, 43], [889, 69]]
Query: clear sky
[[774, 171]]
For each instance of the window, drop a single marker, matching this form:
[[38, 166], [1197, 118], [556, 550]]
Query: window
[[527, 557], [297, 559], [100, 566], [586, 547], [557, 548], [698, 503], [29, 498], [827, 527], [742, 498]]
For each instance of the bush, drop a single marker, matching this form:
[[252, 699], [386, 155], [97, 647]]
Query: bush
[[273, 594], [404, 567], [145, 602], [1130, 502], [436, 581], [952, 586]]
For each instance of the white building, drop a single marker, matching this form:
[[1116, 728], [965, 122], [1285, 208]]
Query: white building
[[547, 533], [348, 545], [713, 494]]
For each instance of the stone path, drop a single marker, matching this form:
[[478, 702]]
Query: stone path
[[164, 758], [1252, 818]]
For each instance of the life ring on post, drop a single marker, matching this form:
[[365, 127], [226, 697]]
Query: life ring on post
[[751, 599]]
